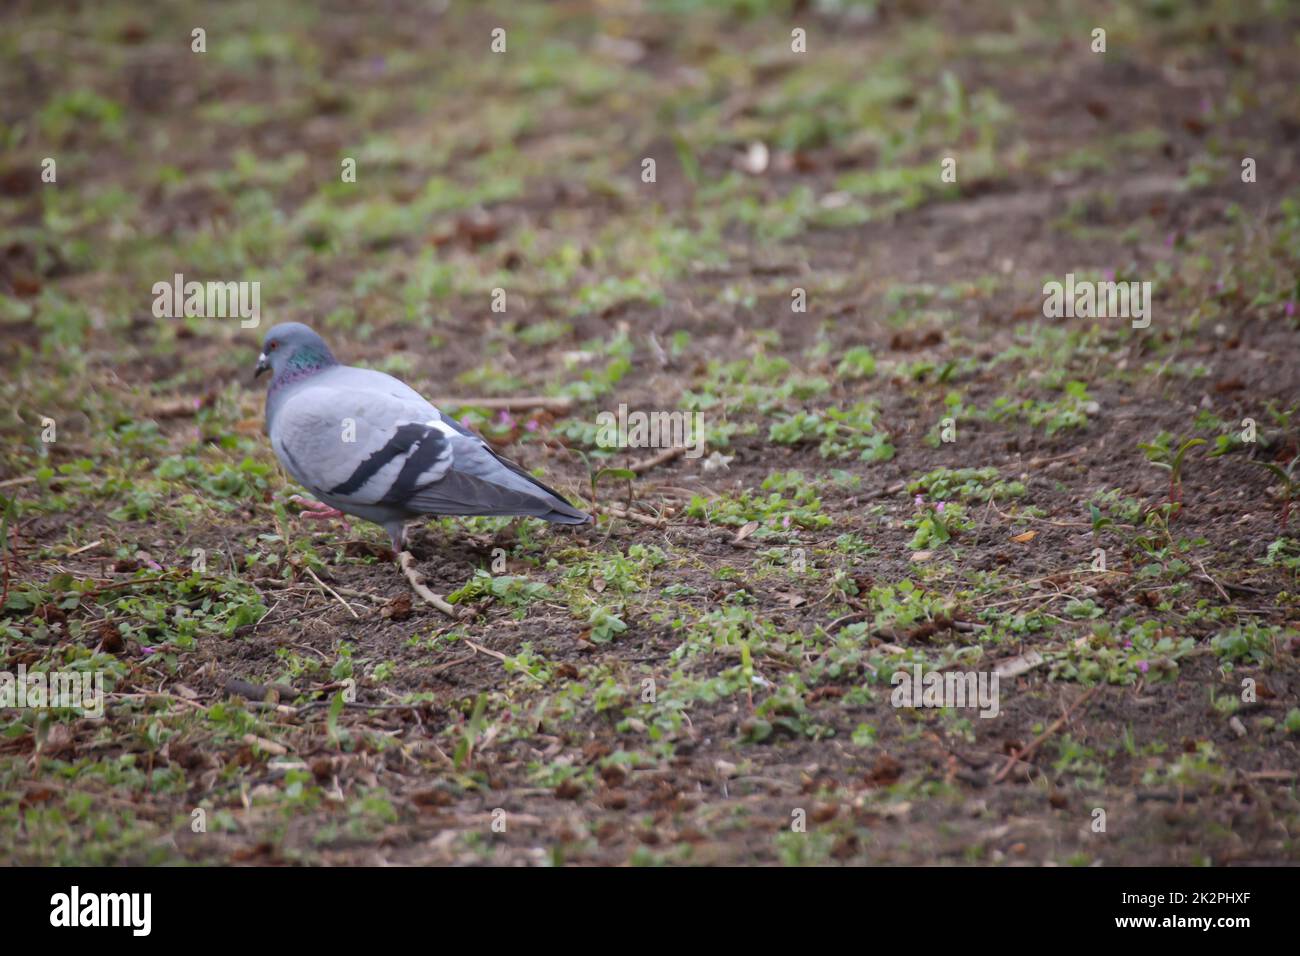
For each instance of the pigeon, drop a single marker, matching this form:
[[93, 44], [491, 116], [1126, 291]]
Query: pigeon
[[368, 445]]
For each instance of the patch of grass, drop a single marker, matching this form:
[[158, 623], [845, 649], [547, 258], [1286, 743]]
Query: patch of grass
[[1068, 412], [965, 484], [837, 433]]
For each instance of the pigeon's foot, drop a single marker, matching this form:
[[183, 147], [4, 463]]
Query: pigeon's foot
[[315, 509], [397, 535], [318, 509]]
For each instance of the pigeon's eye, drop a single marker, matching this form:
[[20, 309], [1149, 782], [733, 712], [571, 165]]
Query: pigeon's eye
[[273, 346]]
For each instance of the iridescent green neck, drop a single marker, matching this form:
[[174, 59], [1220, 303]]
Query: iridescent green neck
[[306, 360]]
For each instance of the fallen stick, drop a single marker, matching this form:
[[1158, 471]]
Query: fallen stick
[[454, 662], [332, 592], [353, 592], [1040, 462], [885, 492], [407, 561], [1205, 576], [1055, 524], [269, 746], [852, 618], [478, 649], [629, 515], [688, 492], [550, 403], [639, 467], [1024, 755]]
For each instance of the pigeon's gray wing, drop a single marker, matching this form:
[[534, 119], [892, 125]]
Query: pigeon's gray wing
[[363, 448], [360, 446]]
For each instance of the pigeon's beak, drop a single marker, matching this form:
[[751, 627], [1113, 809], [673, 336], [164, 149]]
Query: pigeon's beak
[[262, 366]]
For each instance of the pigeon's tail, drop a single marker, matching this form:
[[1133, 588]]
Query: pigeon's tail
[[566, 515], [508, 491], [561, 511]]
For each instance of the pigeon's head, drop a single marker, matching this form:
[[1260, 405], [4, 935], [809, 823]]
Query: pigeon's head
[[292, 346]]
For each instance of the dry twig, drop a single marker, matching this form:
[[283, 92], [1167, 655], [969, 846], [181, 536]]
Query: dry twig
[[630, 515], [330, 590], [407, 561], [1024, 755], [665, 456]]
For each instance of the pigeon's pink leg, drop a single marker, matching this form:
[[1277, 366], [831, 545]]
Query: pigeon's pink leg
[[318, 509], [315, 509]]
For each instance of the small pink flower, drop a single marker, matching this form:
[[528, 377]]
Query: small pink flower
[[1290, 307], [1128, 643], [531, 425], [1143, 666], [504, 420], [1169, 240], [1110, 275], [918, 501], [939, 507], [785, 522]]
